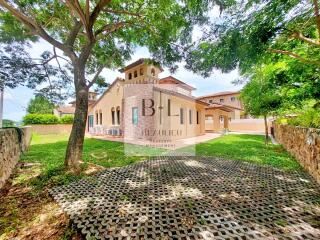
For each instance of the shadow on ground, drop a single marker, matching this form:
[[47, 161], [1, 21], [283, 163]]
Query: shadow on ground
[[194, 198]]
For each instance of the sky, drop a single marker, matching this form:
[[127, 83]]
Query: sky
[[16, 100]]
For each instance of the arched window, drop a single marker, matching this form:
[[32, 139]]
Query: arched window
[[130, 75], [135, 74], [153, 72], [118, 115], [100, 114], [113, 116], [141, 71]]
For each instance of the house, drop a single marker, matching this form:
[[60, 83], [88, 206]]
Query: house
[[223, 108], [69, 110], [144, 106]]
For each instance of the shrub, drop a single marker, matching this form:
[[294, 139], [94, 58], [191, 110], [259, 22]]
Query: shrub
[[309, 118], [40, 119], [66, 119]]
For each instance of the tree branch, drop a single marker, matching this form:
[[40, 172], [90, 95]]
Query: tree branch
[[73, 34], [109, 28], [294, 55], [96, 76], [98, 8], [300, 36], [37, 29]]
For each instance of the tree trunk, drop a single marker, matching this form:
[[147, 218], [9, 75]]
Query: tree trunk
[[75, 144], [266, 129]]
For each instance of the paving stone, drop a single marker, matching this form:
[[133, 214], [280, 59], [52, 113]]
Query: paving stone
[[193, 198]]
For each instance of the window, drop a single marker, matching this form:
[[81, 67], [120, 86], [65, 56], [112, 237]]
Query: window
[[130, 75], [153, 72], [112, 116], [190, 116], [221, 100], [169, 107], [134, 115], [100, 118], [197, 117], [141, 71], [233, 99], [221, 119], [181, 116], [118, 115], [97, 119], [135, 74], [210, 101]]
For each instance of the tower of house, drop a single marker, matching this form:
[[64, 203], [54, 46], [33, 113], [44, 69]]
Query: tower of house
[[141, 72]]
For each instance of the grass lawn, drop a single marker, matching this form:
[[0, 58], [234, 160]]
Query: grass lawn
[[250, 148], [27, 211]]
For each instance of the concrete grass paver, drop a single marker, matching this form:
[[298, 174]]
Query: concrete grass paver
[[193, 198]]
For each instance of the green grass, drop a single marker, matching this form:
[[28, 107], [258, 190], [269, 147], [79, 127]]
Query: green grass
[[49, 152], [250, 148]]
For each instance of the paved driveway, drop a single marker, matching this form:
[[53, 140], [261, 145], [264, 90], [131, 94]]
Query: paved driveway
[[194, 198]]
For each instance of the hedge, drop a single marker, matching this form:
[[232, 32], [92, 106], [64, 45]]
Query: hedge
[[66, 119], [37, 118]]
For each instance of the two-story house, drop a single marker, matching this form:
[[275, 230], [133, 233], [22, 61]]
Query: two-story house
[[144, 106]]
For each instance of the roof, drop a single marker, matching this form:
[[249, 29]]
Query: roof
[[180, 95], [170, 79], [220, 94], [108, 89], [66, 109], [216, 104], [137, 63]]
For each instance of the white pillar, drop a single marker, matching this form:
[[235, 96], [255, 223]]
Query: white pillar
[[1, 106]]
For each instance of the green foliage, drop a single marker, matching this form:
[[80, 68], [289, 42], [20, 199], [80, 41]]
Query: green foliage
[[309, 118], [8, 123], [67, 119], [40, 119], [40, 105], [259, 97], [245, 32]]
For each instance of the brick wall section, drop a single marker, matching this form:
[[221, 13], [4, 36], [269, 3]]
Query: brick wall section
[[303, 144], [10, 150]]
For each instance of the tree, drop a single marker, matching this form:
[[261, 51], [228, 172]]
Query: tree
[[41, 105], [8, 123], [260, 97], [96, 34], [251, 30]]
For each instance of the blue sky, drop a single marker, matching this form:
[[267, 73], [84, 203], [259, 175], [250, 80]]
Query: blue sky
[[16, 100]]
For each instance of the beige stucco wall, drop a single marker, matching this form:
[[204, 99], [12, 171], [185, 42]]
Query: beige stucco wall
[[247, 125], [44, 129], [11, 149], [146, 77], [111, 99], [216, 125]]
